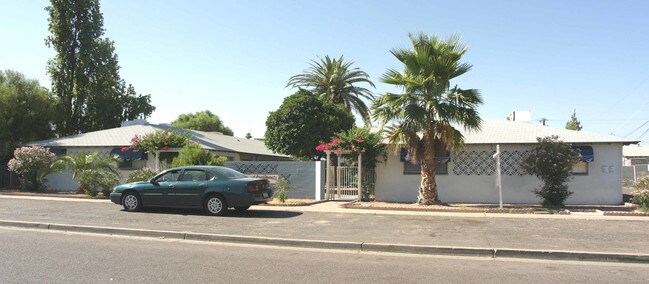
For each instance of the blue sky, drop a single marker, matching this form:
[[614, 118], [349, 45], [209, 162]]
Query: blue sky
[[234, 57]]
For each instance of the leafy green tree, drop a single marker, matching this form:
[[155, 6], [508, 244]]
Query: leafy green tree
[[336, 80], [426, 114], [202, 121], [552, 161], [573, 123], [85, 71], [303, 120], [26, 112], [194, 155], [90, 170]]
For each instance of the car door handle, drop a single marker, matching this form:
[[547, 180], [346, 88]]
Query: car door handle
[[172, 186]]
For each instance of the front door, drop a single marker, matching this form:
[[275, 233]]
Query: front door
[[188, 191]]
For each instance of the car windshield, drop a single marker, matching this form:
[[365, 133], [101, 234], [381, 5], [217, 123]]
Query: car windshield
[[229, 173]]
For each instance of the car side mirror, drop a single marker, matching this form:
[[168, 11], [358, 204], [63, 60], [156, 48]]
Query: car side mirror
[[154, 182]]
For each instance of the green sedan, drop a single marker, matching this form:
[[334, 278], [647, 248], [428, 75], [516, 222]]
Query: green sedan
[[212, 188]]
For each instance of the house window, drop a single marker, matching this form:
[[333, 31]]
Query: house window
[[126, 164], [441, 168], [580, 168]]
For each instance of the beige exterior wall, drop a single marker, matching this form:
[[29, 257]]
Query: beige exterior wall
[[602, 185]]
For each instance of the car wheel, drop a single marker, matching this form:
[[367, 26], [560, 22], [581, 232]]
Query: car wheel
[[215, 205], [242, 208], [132, 202]]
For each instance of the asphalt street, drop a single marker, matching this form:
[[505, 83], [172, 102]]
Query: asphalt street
[[57, 257], [593, 235]]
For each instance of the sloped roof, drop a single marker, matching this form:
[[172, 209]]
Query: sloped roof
[[513, 132], [635, 151], [121, 137], [494, 131]]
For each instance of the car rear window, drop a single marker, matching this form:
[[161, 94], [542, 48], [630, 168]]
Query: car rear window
[[229, 173]]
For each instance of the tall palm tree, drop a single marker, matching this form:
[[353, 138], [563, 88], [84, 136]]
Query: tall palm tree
[[336, 79], [426, 114]]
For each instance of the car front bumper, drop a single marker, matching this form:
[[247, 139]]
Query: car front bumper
[[116, 197]]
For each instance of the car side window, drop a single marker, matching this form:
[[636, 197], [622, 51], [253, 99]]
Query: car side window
[[168, 176], [194, 175]]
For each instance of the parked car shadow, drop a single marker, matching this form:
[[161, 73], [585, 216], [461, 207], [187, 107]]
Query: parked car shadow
[[251, 213]]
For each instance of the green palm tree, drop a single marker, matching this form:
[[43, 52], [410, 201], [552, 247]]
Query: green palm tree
[[336, 79], [87, 162], [426, 114]]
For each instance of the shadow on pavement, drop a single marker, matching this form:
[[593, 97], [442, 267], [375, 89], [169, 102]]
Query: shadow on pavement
[[261, 214]]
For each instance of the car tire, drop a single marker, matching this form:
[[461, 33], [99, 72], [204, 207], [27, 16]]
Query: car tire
[[215, 205], [242, 208], [132, 202]]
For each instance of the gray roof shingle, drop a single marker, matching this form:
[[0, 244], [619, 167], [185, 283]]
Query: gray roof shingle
[[121, 137]]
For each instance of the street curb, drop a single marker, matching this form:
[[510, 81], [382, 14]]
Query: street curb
[[274, 241], [340, 245], [433, 250], [572, 255]]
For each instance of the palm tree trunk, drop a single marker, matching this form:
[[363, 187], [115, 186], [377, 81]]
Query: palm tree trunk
[[428, 187]]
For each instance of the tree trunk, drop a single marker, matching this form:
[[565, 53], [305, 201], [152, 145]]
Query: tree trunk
[[428, 187]]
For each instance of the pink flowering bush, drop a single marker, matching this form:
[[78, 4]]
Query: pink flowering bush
[[32, 164], [359, 140], [159, 140], [641, 193], [552, 161], [341, 144]]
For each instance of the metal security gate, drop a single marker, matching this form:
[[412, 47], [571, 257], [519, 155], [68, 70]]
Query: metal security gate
[[346, 183]]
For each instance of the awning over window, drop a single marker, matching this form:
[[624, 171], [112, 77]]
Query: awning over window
[[404, 156], [587, 154], [59, 151], [128, 154]]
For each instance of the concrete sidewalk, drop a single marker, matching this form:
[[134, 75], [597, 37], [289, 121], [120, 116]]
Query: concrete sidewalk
[[327, 225]]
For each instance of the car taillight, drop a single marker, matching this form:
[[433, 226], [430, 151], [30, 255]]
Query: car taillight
[[257, 186], [252, 186]]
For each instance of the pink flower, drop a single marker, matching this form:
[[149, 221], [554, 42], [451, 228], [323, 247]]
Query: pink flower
[[339, 150], [124, 149], [165, 148], [359, 139]]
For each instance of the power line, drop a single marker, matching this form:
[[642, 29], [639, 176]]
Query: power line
[[634, 130]]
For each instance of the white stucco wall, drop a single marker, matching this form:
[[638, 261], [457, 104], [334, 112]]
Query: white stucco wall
[[602, 185]]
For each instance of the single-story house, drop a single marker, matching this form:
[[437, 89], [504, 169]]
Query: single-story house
[[469, 176], [110, 142], [635, 155]]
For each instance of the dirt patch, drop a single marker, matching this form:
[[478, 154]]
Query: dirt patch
[[61, 194], [609, 210], [293, 202]]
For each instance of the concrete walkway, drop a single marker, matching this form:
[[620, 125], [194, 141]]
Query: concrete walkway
[[326, 225]]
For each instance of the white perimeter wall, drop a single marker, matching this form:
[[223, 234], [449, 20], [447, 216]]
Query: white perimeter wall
[[602, 185]]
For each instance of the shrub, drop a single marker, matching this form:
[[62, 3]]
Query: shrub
[[31, 164], [143, 174], [91, 171], [552, 161], [92, 181], [282, 188], [641, 193], [193, 155], [159, 140]]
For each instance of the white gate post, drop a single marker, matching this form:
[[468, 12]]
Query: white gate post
[[328, 179], [337, 175], [318, 180], [360, 178]]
